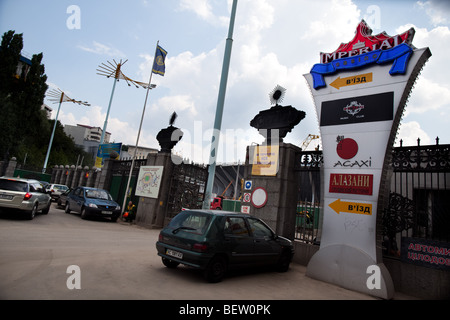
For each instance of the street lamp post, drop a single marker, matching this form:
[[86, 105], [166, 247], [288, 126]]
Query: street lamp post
[[58, 96], [219, 109], [114, 70]]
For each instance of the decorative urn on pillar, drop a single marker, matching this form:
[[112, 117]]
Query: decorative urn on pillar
[[276, 122], [169, 136]]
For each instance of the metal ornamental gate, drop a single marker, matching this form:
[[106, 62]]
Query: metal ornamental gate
[[187, 188]]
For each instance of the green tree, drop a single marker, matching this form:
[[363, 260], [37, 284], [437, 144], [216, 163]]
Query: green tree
[[25, 130], [22, 94], [10, 49]]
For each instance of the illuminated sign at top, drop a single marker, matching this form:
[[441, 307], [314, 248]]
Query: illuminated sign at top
[[365, 50], [364, 42]]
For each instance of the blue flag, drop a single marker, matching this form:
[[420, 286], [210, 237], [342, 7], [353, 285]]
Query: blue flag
[[159, 65]]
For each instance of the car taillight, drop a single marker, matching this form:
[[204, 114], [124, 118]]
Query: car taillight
[[200, 247], [160, 238], [27, 196]]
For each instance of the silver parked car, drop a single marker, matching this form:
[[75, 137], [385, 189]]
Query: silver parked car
[[24, 195], [56, 190]]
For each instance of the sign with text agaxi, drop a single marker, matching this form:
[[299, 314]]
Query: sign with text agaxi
[[360, 92]]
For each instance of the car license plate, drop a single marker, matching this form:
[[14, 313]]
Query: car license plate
[[107, 212], [174, 254]]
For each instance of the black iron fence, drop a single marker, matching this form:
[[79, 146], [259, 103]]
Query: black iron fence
[[419, 202], [308, 166]]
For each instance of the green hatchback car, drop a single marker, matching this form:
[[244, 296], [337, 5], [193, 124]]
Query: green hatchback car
[[215, 241]]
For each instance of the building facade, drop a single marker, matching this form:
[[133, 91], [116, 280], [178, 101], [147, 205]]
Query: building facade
[[87, 137]]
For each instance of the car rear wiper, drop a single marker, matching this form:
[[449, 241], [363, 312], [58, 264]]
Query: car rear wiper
[[182, 228]]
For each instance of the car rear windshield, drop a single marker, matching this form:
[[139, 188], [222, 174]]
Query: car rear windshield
[[13, 185], [98, 194], [190, 221]]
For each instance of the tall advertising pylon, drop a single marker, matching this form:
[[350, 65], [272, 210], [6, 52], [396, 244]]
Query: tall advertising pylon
[[360, 92]]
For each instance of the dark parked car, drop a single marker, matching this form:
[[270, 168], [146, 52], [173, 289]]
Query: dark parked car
[[24, 195], [92, 202], [62, 199], [215, 241]]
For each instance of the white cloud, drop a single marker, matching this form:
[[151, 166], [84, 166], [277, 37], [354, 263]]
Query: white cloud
[[121, 131], [204, 10], [437, 11], [428, 96], [102, 49], [178, 103], [409, 132], [432, 89], [193, 82], [338, 21]]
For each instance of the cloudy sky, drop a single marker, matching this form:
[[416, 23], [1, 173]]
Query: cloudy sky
[[274, 43]]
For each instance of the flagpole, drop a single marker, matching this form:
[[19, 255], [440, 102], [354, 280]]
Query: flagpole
[[139, 131]]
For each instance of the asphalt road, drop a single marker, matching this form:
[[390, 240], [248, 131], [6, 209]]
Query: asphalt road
[[119, 261]]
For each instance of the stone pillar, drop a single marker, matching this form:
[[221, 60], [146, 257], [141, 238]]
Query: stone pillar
[[90, 182], [83, 177], [282, 191], [65, 175], [104, 179], [11, 167], [151, 212], [54, 173], [70, 176], [59, 174], [76, 177]]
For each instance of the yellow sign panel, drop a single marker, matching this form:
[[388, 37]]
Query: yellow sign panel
[[351, 207], [265, 161], [350, 81]]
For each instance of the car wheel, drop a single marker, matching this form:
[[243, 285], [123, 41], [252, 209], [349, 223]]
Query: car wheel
[[283, 262], [83, 214], [46, 209], [216, 269], [32, 213], [67, 208], [169, 263]]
